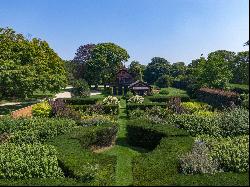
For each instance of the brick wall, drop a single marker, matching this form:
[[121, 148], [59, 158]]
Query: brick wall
[[23, 112]]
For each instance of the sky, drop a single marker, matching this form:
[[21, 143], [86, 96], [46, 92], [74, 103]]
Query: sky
[[177, 30]]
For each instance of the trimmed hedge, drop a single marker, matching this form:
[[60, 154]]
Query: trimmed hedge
[[160, 168], [97, 136], [183, 98], [218, 98], [79, 163], [107, 109], [148, 135], [81, 101]]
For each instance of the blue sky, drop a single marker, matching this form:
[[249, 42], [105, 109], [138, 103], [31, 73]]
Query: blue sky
[[178, 30]]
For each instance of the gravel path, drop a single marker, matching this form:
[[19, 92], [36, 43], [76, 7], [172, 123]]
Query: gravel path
[[65, 94]]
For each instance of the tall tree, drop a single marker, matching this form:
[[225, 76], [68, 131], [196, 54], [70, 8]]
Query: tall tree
[[240, 68], [136, 70], [82, 55], [215, 71], [28, 65], [156, 68], [178, 69], [105, 61]]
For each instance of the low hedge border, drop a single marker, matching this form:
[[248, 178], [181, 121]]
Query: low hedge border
[[78, 162], [148, 135], [108, 109], [161, 166]]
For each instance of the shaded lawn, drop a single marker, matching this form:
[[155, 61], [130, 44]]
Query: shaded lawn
[[4, 110]]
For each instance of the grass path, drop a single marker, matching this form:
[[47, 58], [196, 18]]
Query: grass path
[[123, 151]]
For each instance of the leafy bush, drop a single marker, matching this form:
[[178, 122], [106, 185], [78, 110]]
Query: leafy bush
[[136, 99], [129, 94], [232, 153], [32, 130], [232, 122], [60, 109], [110, 100], [245, 100], [28, 161], [163, 92], [196, 106], [81, 88], [198, 161], [96, 136], [42, 109], [218, 98]]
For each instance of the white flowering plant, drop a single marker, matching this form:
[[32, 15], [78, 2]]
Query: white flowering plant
[[136, 99], [111, 100]]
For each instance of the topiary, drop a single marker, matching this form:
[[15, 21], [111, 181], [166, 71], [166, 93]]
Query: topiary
[[81, 88]]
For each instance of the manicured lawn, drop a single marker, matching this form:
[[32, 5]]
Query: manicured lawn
[[123, 151], [174, 91]]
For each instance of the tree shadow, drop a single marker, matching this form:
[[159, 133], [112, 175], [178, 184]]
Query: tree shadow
[[123, 142]]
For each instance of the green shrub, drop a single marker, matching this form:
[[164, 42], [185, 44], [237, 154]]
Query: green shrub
[[28, 161], [232, 153], [196, 106], [163, 92], [232, 122], [80, 88], [81, 101], [32, 130], [42, 109], [97, 136]]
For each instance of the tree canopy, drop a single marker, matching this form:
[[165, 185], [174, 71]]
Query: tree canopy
[[28, 65], [156, 68]]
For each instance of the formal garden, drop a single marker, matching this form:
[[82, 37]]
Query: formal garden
[[190, 128]]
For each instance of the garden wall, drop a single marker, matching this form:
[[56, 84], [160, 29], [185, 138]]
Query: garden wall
[[23, 112]]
